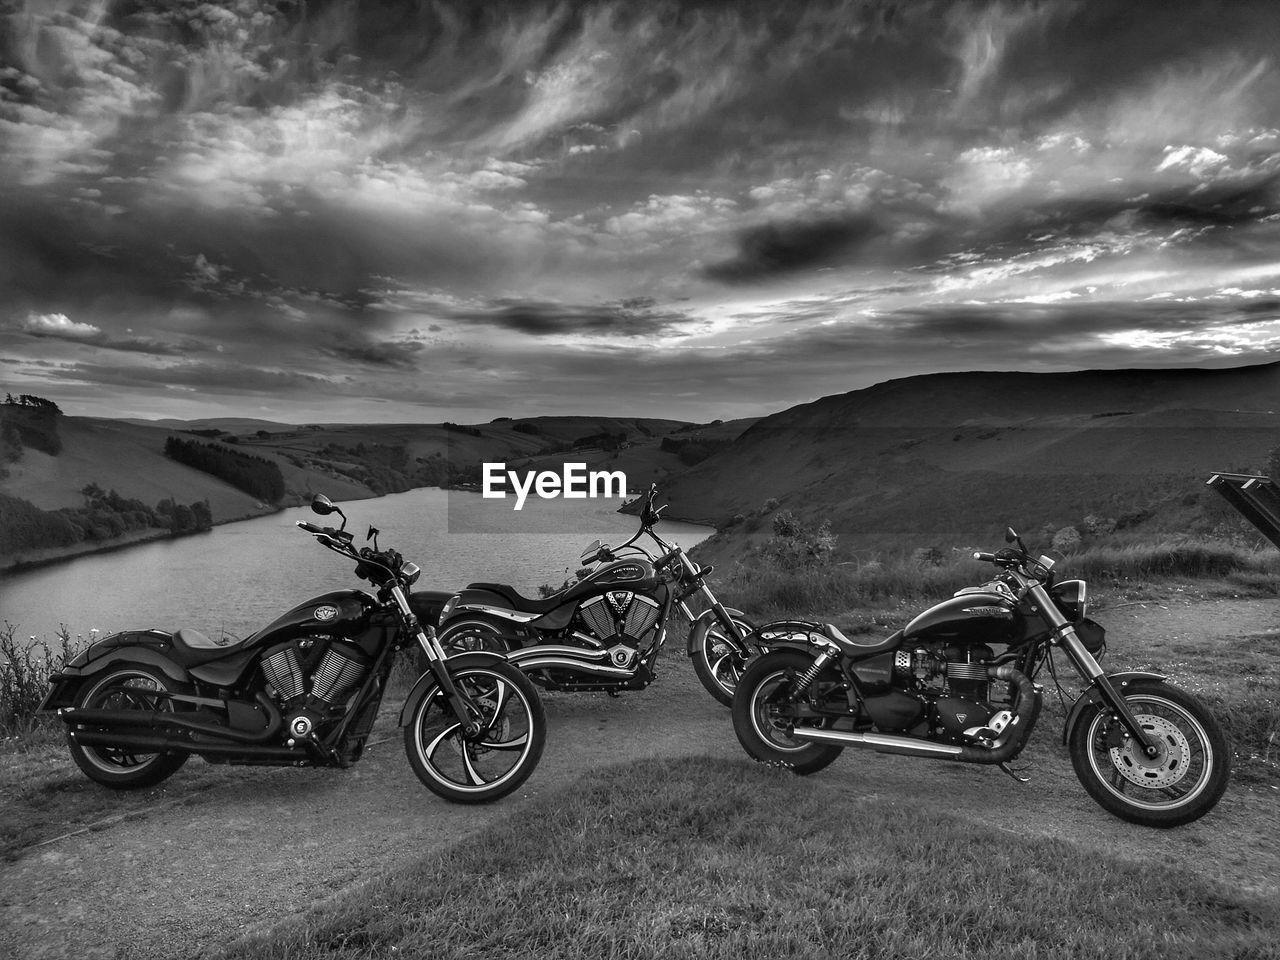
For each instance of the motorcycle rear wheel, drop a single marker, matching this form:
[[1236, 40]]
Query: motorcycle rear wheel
[[718, 662], [467, 771], [469, 633], [763, 734], [1181, 784], [126, 688]]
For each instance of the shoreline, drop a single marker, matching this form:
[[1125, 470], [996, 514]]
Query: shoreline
[[54, 555]]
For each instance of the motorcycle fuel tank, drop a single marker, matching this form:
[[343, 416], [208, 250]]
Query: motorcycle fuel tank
[[968, 618], [634, 574], [343, 613]]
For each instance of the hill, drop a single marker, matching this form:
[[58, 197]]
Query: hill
[[952, 458], [344, 461]]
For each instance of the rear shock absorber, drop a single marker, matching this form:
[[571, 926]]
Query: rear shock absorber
[[802, 682]]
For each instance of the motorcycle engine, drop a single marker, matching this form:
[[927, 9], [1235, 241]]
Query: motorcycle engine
[[312, 676], [622, 620], [954, 678]]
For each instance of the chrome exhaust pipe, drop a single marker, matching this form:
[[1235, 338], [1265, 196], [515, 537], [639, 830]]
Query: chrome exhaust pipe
[[533, 659], [159, 743], [576, 654], [880, 743], [1026, 709]]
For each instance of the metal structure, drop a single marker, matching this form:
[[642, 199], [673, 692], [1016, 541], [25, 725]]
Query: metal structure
[[1256, 497]]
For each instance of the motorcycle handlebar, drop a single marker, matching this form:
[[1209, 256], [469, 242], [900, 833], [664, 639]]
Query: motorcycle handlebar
[[984, 556], [666, 558]]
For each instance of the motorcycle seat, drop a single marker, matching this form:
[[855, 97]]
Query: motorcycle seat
[[518, 602], [192, 648], [851, 648]]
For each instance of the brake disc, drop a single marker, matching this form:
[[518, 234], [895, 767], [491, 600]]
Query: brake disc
[[1166, 768]]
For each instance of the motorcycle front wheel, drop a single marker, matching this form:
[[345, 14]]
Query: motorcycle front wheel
[[126, 688], [1180, 784], [762, 729], [718, 661], [501, 758]]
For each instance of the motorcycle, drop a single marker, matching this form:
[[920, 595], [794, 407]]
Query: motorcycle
[[605, 631], [303, 691], [957, 684]]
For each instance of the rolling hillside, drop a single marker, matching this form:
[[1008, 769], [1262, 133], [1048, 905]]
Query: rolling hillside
[[953, 458], [344, 461]]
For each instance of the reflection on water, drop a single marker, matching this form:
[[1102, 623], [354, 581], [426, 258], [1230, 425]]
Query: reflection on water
[[239, 576]]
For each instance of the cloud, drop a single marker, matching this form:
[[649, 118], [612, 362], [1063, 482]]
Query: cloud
[[636, 317], [400, 354], [775, 248], [59, 325]]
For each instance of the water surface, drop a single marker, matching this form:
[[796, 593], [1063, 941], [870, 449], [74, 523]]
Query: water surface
[[239, 576]]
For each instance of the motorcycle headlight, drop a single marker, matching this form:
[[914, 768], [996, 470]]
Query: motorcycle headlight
[[448, 607], [410, 572], [1071, 596]]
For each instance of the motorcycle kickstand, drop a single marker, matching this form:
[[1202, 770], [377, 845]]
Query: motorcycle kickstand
[[1014, 773]]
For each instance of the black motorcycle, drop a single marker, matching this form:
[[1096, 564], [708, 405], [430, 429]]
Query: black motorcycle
[[605, 631], [957, 684], [304, 691]]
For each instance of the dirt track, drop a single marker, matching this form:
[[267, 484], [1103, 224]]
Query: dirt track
[[202, 868]]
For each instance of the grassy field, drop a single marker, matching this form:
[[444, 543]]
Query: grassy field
[[691, 858]]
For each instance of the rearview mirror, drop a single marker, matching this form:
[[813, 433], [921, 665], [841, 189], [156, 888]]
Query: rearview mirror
[[322, 505], [1010, 535]]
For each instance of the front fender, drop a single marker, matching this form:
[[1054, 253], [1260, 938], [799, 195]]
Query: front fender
[[427, 683], [1117, 680], [704, 622]]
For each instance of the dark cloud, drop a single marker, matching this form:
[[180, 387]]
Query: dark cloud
[[775, 248], [634, 317], [400, 354]]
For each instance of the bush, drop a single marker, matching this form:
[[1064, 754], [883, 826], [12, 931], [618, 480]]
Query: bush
[[24, 676], [796, 544], [1066, 539], [254, 475]]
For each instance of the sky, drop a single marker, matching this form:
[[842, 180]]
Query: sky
[[425, 211]]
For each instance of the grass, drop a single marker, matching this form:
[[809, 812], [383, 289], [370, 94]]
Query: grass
[[1239, 681], [690, 858], [769, 591]]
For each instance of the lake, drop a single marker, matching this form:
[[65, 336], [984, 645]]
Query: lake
[[239, 576]]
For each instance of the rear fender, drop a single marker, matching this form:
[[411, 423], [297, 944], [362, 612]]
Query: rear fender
[[427, 683], [473, 600], [795, 635], [1118, 681], [67, 682], [704, 622]]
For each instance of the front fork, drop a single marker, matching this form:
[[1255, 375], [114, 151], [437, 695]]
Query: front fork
[[734, 634], [1064, 635], [466, 712]]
